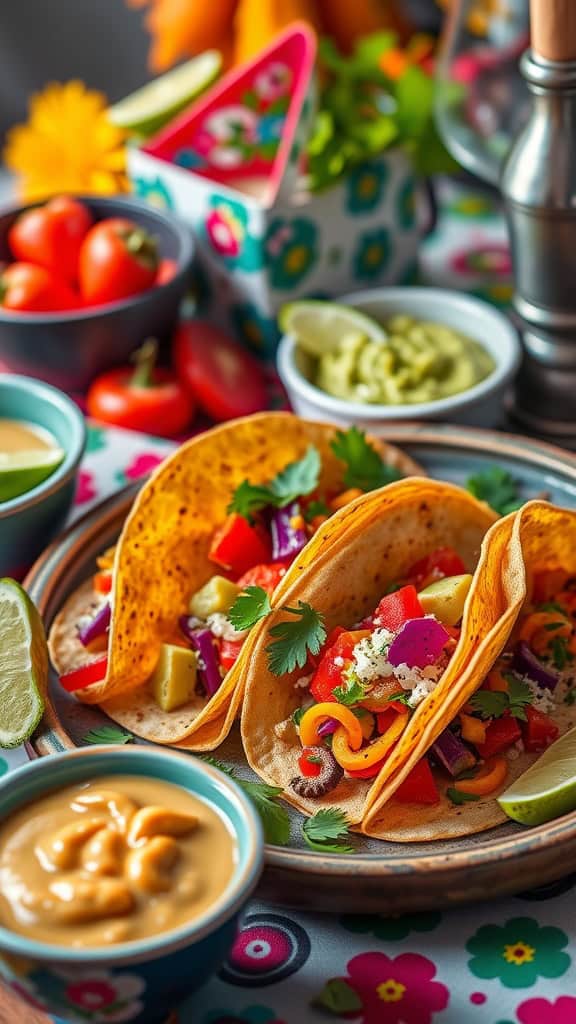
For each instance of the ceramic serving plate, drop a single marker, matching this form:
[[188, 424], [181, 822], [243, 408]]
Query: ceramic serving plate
[[378, 877]]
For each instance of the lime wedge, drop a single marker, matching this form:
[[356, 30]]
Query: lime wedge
[[21, 471], [548, 788], [24, 660], [320, 327], [147, 109]]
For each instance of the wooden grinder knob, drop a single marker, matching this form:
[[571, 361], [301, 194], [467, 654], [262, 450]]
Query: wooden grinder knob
[[553, 29]]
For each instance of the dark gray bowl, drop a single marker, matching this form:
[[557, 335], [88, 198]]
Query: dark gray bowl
[[69, 349]]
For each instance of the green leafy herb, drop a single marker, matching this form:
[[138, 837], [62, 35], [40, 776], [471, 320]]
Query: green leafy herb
[[364, 467], [468, 773], [560, 655], [497, 487], [458, 797], [551, 606], [493, 703], [315, 508], [519, 695], [570, 696], [339, 998], [550, 626], [295, 480], [108, 734], [327, 830], [313, 759], [351, 692], [490, 703], [403, 697], [297, 716], [251, 605], [274, 816], [294, 640]]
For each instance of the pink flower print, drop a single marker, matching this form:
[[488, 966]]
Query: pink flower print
[[100, 997], [397, 990], [142, 464], [203, 142], [273, 82], [488, 259], [91, 995], [86, 489], [536, 1011], [225, 231], [276, 242]]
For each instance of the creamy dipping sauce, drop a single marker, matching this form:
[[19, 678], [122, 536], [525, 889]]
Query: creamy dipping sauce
[[20, 436], [118, 859]]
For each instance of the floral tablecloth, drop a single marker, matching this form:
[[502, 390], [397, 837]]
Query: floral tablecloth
[[511, 962]]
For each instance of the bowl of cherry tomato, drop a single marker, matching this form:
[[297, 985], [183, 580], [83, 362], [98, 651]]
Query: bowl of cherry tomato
[[83, 280]]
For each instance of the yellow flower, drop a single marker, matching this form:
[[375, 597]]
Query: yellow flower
[[67, 145], [519, 953], [391, 991]]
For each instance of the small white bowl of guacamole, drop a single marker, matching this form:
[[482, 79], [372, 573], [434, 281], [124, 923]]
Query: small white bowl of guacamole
[[424, 354]]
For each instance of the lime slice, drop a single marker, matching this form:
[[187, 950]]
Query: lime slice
[[548, 788], [148, 108], [24, 660], [320, 327], [21, 471]]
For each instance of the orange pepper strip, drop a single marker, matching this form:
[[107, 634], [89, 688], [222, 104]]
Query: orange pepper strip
[[495, 681], [491, 776], [318, 713], [106, 559], [473, 730], [353, 760], [533, 629], [345, 498]]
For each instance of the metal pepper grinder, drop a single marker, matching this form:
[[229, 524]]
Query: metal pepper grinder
[[538, 185]]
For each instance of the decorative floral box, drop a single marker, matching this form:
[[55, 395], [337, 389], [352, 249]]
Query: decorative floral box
[[251, 259]]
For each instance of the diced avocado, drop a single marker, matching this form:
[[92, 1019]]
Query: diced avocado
[[218, 595], [174, 677], [445, 599]]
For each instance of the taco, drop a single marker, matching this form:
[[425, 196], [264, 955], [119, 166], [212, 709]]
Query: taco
[[406, 612], [238, 506], [497, 722]]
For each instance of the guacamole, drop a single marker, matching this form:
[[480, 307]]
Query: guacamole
[[418, 362]]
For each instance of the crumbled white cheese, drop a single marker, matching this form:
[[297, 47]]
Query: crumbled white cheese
[[515, 752], [421, 691], [219, 625], [371, 656], [303, 682], [339, 661], [542, 698]]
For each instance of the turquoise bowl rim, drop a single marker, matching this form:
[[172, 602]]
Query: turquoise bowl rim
[[58, 770], [30, 388]]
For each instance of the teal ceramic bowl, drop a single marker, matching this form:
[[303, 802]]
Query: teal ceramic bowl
[[29, 522], [138, 982]]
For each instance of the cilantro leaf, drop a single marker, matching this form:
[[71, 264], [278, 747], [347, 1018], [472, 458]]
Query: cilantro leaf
[[326, 830], [293, 640], [570, 696], [251, 605], [402, 697], [351, 692], [364, 466], [227, 769], [551, 626], [295, 480], [315, 508], [493, 703], [551, 606], [108, 734], [519, 695], [297, 716], [457, 797], [560, 656], [490, 703], [497, 487], [274, 816]]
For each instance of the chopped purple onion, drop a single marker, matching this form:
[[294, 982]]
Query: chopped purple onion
[[453, 753], [287, 540], [525, 663], [97, 626], [328, 727], [203, 642], [419, 643]]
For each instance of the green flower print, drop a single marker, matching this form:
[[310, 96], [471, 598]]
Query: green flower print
[[391, 929], [372, 254], [95, 439], [473, 206], [291, 251], [154, 192], [365, 186], [518, 953], [258, 331], [226, 230], [406, 201]]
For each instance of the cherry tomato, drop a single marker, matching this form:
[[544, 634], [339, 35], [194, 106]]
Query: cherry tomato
[[117, 259], [436, 566], [333, 663], [51, 235], [230, 652], [25, 288], [225, 380], [147, 398], [309, 769], [166, 271], [267, 576], [396, 608], [539, 731], [419, 786], [80, 678], [239, 546]]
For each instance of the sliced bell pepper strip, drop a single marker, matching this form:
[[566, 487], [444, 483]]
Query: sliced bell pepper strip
[[309, 769], [500, 734], [79, 678], [419, 786], [366, 773], [333, 663], [538, 731], [490, 777], [238, 546], [102, 582], [229, 653], [352, 758], [395, 609], [318, 713], [341, 500], [541, 628]]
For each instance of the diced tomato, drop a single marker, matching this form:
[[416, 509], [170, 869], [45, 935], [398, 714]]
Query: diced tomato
[[102, 582], [309, 769], [440, 563], [229, 653], [267, 576], [79, 678], [239, 546], [419, 787], [500, 734], [366, 773], [538, 731], [328, 675], [315, 659], [395, 609], [384, 719]]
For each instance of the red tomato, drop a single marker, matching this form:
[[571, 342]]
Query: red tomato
[[51, 235], [166, 271], [147, 398], [226, 381], [309, 769], [538, 731], [102, 582], [315, 659], [366, 773], [395, 609], [26, 288], [229, 653], [419, 786], [328, 675], [80, 678], [267, 576], [500, 734], [238, 546], [117, 259], [437, 565]]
